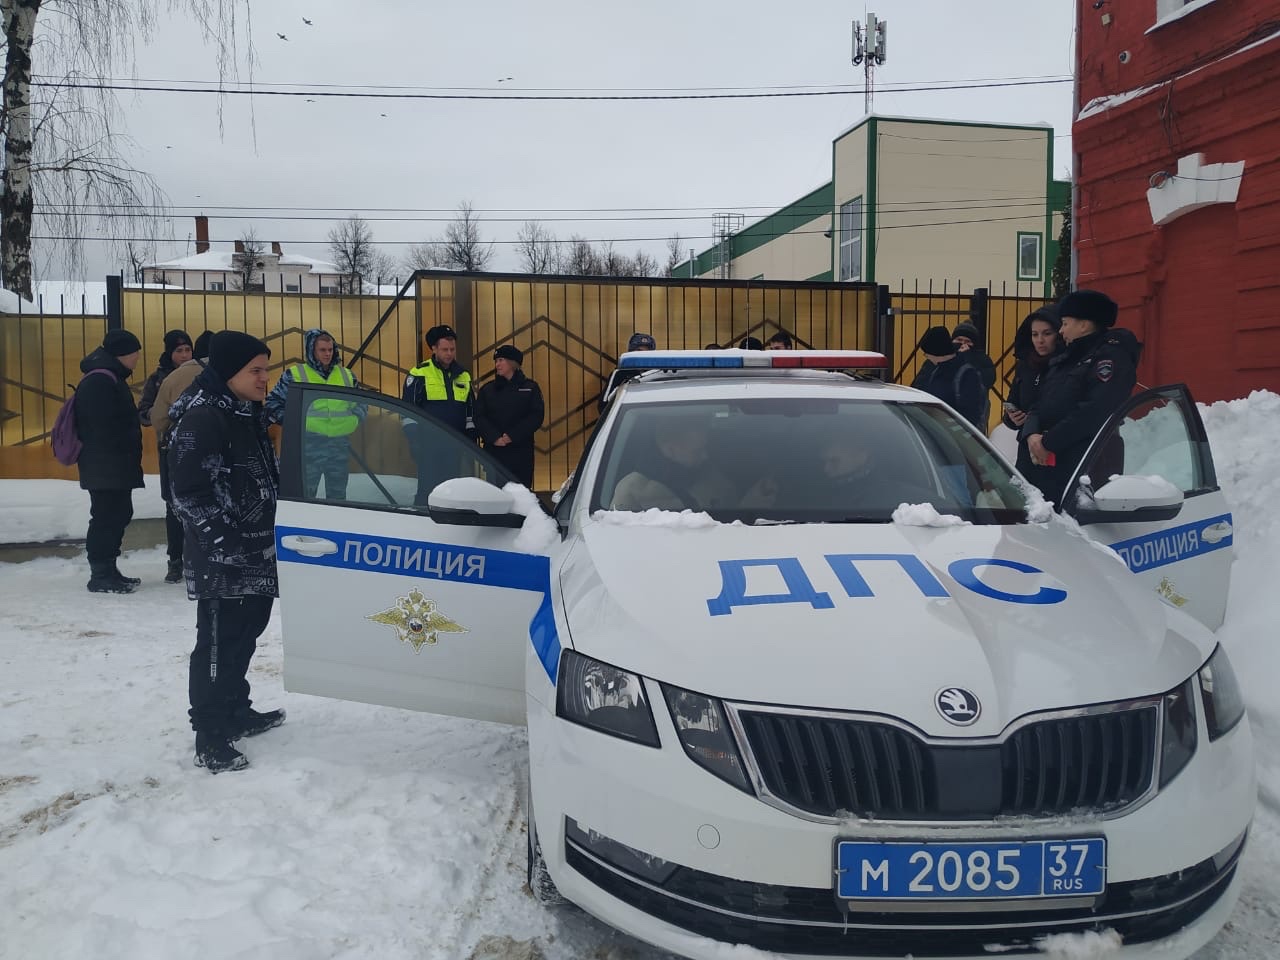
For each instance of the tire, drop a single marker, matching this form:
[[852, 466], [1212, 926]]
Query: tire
[[541, 886]]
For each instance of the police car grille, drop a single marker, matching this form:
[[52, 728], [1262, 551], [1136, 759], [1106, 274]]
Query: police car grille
[[835, 767]]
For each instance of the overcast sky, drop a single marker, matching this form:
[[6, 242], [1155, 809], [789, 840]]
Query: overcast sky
[[546, 160]]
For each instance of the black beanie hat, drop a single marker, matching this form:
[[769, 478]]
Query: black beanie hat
[[967, 329], [508, 352], [936, 342], [172, 341], [1089, 305], [201, 349], [230, 352], [442, 332], [750, 343], [120, 343]]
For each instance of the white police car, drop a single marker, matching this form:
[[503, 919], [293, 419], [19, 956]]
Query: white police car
[[866, 698]]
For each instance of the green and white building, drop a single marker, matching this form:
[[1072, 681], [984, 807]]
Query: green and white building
[[913, 202]]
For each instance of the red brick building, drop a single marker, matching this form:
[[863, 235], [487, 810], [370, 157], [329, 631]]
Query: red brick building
[[1177, 202]]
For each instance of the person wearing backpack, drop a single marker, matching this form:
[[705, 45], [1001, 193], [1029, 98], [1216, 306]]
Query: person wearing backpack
[[110, 460], [177, 351], [949, 377]]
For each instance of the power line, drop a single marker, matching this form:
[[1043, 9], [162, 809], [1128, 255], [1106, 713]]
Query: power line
[[139, 87]]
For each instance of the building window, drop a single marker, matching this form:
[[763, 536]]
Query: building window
[[1168, 11], [1030, 256], [328, 289], [851, 240], [218, 285], [290, 288]]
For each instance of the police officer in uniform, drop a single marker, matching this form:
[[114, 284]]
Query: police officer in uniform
[[1083, 386], [441, 387], [330, 420], [509, 411]]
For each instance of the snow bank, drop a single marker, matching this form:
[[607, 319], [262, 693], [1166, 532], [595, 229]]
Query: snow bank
[[40, 510]]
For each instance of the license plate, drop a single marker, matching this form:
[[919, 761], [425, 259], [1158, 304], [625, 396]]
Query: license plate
[[971, 871]]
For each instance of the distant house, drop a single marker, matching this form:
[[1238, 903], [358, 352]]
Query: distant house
[[1177, 207], [270, 270], [913, 201]]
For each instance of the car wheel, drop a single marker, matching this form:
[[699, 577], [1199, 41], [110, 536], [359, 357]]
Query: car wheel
[[541, 885]]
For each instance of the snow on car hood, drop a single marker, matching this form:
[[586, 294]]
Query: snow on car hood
[[876, 617]]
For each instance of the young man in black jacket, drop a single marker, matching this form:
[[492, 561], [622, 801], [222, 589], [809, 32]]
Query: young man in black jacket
[[177, 351], [509, 411], [225, 479], [110, 462]]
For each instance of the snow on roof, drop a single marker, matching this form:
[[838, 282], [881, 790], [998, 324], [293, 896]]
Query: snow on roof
[[213, 261], [72, 297], [10, 302]]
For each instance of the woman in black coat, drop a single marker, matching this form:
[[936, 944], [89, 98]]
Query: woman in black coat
[[110, 461], [1034, 345]]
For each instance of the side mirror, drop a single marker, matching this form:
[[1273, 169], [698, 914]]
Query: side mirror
[[471, 501], [1130, 499]]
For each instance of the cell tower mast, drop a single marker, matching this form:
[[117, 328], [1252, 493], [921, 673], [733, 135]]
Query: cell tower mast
[[870, 47]]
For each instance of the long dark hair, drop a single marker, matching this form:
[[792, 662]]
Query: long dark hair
[[1022, 347]]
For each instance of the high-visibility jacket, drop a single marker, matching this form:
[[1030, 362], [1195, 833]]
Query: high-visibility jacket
[[445, 394], [329, 416]]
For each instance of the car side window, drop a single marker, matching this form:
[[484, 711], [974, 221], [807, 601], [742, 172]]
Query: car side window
[[380, 453], [1159, 434]]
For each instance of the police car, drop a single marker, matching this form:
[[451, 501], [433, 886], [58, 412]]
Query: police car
[[806, 665]]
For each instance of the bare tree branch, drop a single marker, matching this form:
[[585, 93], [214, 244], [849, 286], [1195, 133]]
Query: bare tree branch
[[538, 249], [352, 249]]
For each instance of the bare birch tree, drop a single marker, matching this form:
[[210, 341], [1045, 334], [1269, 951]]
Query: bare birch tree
[[65, 159], [247, 261], [537, 248], [461, 247], [351, 246], [675, 256]]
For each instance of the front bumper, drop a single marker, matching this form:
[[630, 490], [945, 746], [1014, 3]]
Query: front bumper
[[753, 874]]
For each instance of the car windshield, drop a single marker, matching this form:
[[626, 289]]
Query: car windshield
[[802, 460]]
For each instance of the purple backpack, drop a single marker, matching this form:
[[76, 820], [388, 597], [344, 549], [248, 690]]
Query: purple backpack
[[64, 437]]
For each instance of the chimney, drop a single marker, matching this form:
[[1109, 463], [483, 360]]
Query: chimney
[[275, 248], [202, 234], [239, 246]]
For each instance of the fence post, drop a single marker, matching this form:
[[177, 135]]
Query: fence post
[[115, 302], [978, 311], [884, 327]]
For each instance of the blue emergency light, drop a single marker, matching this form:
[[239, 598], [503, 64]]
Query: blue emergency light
[[752, 359]]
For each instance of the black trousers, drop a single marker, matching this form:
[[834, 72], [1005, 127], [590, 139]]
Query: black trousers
[[227, 631], [172, 525], [109, 513]]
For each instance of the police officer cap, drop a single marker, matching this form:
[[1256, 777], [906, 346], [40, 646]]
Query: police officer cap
[[508, 352], [642, 341], [442, 332], [1089, 305]]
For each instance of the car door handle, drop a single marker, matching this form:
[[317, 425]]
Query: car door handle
[[308, 546]]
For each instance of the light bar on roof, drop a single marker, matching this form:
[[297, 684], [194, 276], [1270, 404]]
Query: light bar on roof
[[752, 359]]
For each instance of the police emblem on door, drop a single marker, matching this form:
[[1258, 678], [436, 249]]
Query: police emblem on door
[[416, 620], [957, 705]]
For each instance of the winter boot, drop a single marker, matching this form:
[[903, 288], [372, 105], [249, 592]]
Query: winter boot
[[253, 722], [116, 570], [103, 579], [216, 754], [175, 571]]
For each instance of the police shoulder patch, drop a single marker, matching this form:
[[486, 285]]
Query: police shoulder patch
[[1105, 370]]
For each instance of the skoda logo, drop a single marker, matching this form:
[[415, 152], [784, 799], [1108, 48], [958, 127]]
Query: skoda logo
[[957, 705]]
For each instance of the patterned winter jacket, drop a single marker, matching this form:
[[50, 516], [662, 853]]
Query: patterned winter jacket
[[224, 480]]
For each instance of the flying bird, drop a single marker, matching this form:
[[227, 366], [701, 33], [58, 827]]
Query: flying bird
[[310, 100], [306, 21], [382, 114], [282, 36], [505, 79]]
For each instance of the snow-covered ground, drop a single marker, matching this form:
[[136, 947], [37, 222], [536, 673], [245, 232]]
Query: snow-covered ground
[[364, 832]]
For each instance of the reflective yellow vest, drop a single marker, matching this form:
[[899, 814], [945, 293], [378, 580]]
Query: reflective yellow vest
[[433, 383], [329, 417]]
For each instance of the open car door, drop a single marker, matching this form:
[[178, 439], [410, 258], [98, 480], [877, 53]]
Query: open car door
[[387, 600], [1186, 556]]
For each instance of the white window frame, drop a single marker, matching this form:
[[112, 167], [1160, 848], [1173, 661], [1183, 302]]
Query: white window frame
[[1171, 11], [850, 239], [1038, 274], [329, 289], [219, 286], [292, 287]]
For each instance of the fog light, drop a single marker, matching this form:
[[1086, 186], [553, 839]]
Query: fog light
[[633, 861]]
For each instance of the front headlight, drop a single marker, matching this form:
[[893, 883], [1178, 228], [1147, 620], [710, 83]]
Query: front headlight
[[1178, 743], [705, 735], [1223, 701], [604, 698]]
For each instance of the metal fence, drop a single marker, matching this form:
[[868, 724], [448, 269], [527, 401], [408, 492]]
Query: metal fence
[[571, 329]]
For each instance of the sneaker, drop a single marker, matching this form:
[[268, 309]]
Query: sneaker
[[253, 722], [175, 572], [218, 755], [103, 579]]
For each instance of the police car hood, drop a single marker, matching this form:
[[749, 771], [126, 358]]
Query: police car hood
[[877, 617]]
